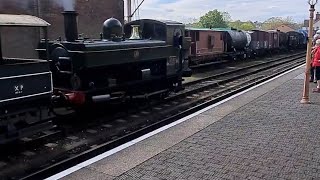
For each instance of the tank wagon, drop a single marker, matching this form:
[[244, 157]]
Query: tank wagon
[[235, 43], [26, 87]]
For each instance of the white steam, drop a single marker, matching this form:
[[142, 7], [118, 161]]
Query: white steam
[[68, 5]]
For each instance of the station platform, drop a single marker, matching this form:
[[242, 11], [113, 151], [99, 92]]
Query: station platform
[[263, 133]]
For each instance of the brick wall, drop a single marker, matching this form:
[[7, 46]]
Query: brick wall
[[17, 42]]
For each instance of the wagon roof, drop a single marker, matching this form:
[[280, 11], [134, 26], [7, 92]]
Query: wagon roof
[[22, 20], [223, 29], [258, 30], [166, 22], [212, 29], [198, 29]]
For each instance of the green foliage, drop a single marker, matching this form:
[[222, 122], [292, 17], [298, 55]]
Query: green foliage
[[242, 25], [235, 24], [218, 19], [226, 16], [194, 25], [274, 22], [247, 26], [214, 19]]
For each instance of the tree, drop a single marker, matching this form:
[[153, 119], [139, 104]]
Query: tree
[[274, 22], [235, 24], [193, 22], [226, 16], [247, 26], [242, 25], [213, 19], [194, 25]]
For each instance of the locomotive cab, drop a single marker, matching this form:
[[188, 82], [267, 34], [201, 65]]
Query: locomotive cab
[[173, 33]]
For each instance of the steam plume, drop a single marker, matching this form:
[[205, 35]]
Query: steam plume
[[68, 5]]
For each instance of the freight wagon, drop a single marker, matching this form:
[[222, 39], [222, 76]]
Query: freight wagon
[[210, 46], [207, 46]]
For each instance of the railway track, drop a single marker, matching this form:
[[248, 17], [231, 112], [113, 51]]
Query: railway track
[[72, 147], [229, 76], [246, 66]]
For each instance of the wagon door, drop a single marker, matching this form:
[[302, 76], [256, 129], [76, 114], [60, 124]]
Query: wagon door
[[194, 35], [260, 40], [225, 36], [276, 40], [266, 40], [270, 37], [255, 44]]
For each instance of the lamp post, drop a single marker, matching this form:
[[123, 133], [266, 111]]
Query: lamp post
[[305, 97]]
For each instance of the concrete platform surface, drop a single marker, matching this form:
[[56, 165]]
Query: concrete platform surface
[[264, 133]]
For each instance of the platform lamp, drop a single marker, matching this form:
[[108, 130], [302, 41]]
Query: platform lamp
[[305, 97]]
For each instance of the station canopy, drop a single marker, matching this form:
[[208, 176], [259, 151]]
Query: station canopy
[[22, 20]]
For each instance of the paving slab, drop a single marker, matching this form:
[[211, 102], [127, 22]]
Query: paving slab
[[125, 160], [263, 134], [88, 174]]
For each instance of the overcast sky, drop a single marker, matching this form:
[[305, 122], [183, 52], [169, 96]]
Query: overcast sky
[[254, 10]]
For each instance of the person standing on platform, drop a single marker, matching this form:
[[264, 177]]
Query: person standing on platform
[[316, 64], [316, 37], [312, 69]]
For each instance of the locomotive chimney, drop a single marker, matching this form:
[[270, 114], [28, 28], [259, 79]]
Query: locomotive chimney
[[70, 25]]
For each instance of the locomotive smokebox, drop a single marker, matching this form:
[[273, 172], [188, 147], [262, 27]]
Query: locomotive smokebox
[[70, 25]]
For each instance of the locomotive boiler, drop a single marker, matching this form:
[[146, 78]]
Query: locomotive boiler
[[145, 60]]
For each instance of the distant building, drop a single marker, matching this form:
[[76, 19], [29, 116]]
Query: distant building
[[316, 22], [285, 28]]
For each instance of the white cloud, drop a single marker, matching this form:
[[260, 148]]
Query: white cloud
[[183, 10]]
